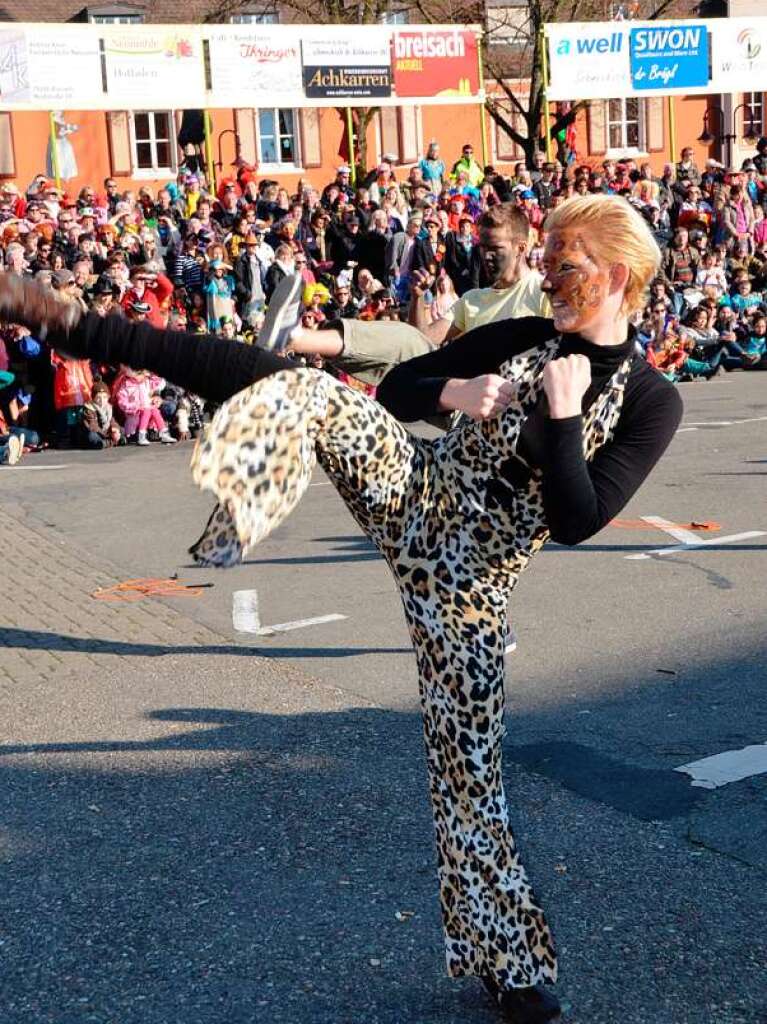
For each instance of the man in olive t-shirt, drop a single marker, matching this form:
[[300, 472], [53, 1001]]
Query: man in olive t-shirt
[[367, 350]]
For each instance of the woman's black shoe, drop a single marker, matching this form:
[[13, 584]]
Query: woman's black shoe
[[531, 1005]]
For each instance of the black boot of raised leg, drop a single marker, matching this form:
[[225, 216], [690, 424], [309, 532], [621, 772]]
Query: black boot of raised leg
[[531, 1005]]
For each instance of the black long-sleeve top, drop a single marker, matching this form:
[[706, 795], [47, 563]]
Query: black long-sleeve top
[[579, 498], [214, 368]]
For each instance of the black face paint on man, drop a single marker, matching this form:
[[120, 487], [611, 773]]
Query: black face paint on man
[[499, 253]]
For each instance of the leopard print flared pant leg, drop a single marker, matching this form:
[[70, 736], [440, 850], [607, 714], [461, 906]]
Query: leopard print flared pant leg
[[258, 458]]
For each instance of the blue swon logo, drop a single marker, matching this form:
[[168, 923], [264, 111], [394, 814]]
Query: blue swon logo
[[669, 57]]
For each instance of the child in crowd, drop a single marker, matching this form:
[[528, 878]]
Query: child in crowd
[[101, 428], [136, 394], [72, 384], [220, 294]]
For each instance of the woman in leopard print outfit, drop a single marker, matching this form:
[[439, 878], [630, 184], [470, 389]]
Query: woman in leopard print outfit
[[561, 424]]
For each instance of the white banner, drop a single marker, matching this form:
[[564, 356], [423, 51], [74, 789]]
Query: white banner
[[154, 65], [255, 66], [149, 67], [577, 70], [740, 55], [54, 51], [612, 59]]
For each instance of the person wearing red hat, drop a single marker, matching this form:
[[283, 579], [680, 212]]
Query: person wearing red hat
[[150, 286], [456, 211]]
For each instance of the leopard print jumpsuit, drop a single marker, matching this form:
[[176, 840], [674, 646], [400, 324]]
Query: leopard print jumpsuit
[[455, 552]]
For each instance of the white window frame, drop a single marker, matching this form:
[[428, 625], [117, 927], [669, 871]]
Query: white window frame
[[753, 102], [398, 16], [623, 10], [255, 18], [150, 173], [115, 14], [626, 150], [507, 24], [285, 168]]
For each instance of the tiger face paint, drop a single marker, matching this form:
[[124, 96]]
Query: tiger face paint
[[577, 285]]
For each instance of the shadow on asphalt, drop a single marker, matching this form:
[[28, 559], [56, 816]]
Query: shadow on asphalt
[[349, 540], [252, 870], [367, 556], [551, 548], [35, 640]]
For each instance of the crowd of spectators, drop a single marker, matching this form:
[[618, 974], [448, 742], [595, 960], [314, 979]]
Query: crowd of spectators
[[184, 258]]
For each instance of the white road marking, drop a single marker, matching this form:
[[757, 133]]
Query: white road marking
[[246, 617], [714, 423], [685, 430], [40, 469], [677, 532], [693, 425], [729, 766], [323, 483], [713, 542], [286, 627]]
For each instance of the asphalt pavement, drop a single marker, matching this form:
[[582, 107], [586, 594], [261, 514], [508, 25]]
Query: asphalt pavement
[[202, 824]]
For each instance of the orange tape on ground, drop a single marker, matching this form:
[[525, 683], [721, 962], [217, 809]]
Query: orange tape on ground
[[640, 524], [136, 590]]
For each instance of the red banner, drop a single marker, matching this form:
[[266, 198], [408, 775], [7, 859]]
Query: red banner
[[435, 62]]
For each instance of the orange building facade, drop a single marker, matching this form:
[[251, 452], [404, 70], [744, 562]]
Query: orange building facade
[[139, 148]]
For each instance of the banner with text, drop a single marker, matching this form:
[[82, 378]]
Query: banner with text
[[606, 60], [139, 67], [151, 65], [54, 66], [441, 63], [739, 60], [254, 66], [340, 63]]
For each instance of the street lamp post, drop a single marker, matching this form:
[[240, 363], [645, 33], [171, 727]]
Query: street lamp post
[[707, 136], [752, 134], [237, 154]]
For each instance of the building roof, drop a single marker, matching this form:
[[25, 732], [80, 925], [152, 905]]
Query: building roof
[[153, 11], [186, 11]]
